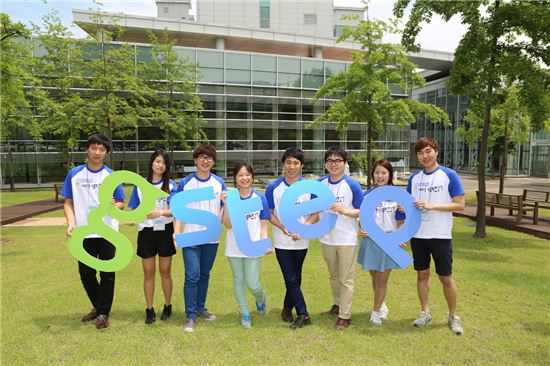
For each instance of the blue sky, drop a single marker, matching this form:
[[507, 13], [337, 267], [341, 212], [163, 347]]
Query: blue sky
[[437, 35]]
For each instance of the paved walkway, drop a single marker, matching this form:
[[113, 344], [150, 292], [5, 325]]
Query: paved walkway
[[10, 214], [513, 185], [41, 221]]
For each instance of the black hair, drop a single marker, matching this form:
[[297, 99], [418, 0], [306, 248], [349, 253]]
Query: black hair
[[166, 175], [98, 139], [205, 149], [238, 167], [338, 151], [293, 152], [385, 164]]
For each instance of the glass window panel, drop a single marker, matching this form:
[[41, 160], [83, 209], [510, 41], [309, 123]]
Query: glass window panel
[[312, 67], [311, 81], [210, 59], [262, 106], [264, 63], [237, 105], [237, 61], [211, 75], [186, 54], [262, 145], [264, 78], [396, 89], [237, 115], [264, 91], [144, 54], [288, 134], [241, 90], [211, 89], [238, 76], [262, 134], [333, 68], [308, 94], [307, 134], [289, 80], [331, 135], [288, 106], [354, 145], [291, 65], [237, 134], [289, 92], [354, 135]]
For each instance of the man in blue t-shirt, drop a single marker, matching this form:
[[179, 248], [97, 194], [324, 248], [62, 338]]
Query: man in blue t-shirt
[[438, 192], [81, 192]]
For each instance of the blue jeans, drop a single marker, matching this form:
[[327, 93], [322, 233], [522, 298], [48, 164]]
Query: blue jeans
[[291, 262], [198, 262]]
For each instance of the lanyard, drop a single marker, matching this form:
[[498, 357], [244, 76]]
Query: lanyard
[[431, 186]]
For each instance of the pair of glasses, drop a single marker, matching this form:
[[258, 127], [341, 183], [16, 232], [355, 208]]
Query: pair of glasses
[[334, 161], [206, 158]]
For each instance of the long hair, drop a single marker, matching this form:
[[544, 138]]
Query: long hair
[[238, 167], [385, 164], [166, 175]]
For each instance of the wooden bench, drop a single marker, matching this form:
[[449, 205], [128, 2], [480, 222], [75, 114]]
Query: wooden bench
[[57, 188], [510, 202], [536, 199]]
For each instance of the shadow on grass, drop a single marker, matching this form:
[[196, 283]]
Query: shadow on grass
[[482, 256]]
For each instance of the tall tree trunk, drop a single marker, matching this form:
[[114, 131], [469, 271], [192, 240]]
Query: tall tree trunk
[[481, 214], [10, 168], [504, 158], [124, 153], [369, 150], [369, 154]]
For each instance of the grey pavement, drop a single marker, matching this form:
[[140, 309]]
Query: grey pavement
[[512, 185]]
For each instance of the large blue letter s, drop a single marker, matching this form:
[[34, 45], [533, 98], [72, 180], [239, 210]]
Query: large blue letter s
[[180, 211]]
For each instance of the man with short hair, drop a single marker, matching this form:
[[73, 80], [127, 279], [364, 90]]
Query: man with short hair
[[291, 251], [81, 192], [199, 259], [438, 192], [340, 244]]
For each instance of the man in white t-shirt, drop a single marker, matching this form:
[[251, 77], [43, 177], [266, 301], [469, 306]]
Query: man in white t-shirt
[[291, 251], [340, 244], [81, 192], [438, 192], [198, 260]]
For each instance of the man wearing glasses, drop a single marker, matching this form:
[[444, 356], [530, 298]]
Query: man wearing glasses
[[198, 260], [340, 244]]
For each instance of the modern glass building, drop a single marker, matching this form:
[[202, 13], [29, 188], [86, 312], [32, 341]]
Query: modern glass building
[[531, 158]]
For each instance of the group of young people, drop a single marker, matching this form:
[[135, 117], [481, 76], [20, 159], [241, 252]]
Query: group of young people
[[437, 191]]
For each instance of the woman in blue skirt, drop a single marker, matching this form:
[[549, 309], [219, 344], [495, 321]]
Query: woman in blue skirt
[[389, 217]]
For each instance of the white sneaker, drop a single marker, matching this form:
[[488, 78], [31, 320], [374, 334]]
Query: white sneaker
[[384, 311], [246, 321], [424, 318], [375, 318], [189, 325], [454, 324]]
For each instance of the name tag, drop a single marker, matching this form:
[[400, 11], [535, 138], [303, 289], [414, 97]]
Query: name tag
[[425, 215]]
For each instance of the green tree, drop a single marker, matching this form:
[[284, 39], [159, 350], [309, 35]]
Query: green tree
[[61, 71], [17, 110], [510, 126], [120, 100], [506, 42], [362, 162], [365, 86], [177, 104]]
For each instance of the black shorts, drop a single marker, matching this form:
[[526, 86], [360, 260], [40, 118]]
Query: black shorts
[[152, 243], [440, 249]]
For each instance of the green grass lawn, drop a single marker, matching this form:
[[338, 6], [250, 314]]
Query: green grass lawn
[[503, 301], [23, 196]]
